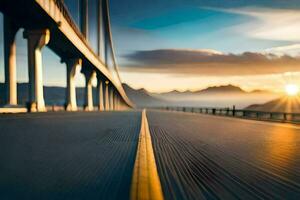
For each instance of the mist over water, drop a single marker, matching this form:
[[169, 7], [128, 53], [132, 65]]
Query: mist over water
[[218, 100]]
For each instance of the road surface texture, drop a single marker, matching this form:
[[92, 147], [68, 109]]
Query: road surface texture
[[68, 155], [209, 157], [90, 155]]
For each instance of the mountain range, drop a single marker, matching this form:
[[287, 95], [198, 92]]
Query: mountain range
[[283, 104], [52, 95], [142, 98], [217, 96], [57, 95], [214, 90]]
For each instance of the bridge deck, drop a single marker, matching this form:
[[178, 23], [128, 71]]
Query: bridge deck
[[216, 157], [91, 156], [67, 155]]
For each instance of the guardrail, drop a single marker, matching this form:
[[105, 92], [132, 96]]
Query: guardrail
[[239, 113], [67, 15]]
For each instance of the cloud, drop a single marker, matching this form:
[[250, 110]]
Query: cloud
[[210, 62], [292, 50], [268, 23]]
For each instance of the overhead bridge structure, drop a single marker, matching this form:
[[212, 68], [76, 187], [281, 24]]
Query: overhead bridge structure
[[48, 22]]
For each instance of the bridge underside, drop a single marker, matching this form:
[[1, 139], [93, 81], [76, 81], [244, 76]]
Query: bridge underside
[[47, 22], [30, 16]]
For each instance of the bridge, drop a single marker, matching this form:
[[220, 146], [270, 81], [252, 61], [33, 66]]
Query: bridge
[[118, 151], [48, 22]]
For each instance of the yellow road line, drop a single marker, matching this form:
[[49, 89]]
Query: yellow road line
[[145, 181]]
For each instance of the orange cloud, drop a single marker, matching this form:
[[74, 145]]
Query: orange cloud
[[210, 62]]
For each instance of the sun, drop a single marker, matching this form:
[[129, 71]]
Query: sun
[[291, 89]]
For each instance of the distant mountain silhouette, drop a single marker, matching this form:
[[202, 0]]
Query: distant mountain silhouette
[[221, 89], [174, 92], [283, 104], [142, 98], [228, 95], [261, 92], [57, 95], [52, 95], [214, 90]]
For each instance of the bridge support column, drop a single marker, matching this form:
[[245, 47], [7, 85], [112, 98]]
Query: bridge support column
[[10, 31], [118, 103], [115, 102], [84, 17], [106, 30], [37, 39], [89, 75], [111, 98], [100, 89], [99, 28], [106, 95], [122, 105], [72, 65]]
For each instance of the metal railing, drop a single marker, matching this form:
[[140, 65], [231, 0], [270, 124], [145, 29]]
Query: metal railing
[[239, 113], [114, 69], [67, 15]]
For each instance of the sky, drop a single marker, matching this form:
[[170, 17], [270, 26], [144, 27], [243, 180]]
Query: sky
[[162, 45]]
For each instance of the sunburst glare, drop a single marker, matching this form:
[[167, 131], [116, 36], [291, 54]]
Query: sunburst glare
[[291, 89]]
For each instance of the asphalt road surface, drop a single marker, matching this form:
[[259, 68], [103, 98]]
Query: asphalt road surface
[[210, 157], [91, 156], [67, 155]]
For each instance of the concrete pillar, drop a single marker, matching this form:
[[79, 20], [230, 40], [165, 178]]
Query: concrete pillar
[[99, 27], [10, 31], [106, 95], [72, 65], [119, 103], [122, 105], [105, 31], [111, 98], [88, 101], [84, 17], [100, 89], [37, 39], [116, 102]]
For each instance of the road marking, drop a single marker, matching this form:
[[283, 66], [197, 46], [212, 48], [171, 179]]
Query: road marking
[[145, 180]]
